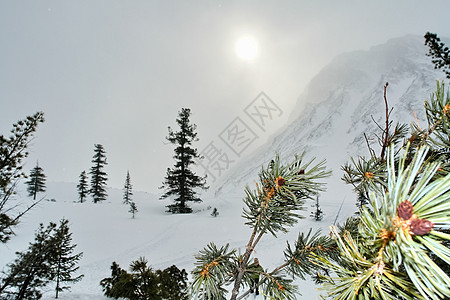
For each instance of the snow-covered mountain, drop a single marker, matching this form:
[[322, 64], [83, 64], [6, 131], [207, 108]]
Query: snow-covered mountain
[[327, 123], [336, 109]]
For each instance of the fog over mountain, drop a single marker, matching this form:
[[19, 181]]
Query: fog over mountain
[[337, 107]]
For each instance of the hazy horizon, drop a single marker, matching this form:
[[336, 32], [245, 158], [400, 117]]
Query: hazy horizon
[[117, 73]]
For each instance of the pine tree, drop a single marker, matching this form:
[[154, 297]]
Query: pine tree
[[400, 247], [127, 190], [439, 53], [98, 176], [31, 270], [49, 258], [181, 180], [272, 207], [82, 187], [144, 283], [36, 184], [13, 150], [64, 262], [133, 208], [317, 214]]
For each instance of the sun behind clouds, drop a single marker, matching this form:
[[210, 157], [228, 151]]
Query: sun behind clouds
[[247, 48]]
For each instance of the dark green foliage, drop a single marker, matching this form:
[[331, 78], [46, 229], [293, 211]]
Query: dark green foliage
[[64, 262], [439, 53], [36, 184], [49, 258], [317, 214], [172, 283], [133, 208], [98, 176], [181, 180], [31, 270], [82, 187], [127, 195], [144, 283], [127, 190], [13, 150]]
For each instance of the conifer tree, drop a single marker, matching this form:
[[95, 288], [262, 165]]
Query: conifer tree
[[144, 283], [127, 190], [64, 262], [36, 184], [31, 270], [439, 52], [317, 214], [48, 258], [82, 187], [133, 208], [98, 176], [181, 180], [400, 248], [272, 207], [13, 150]]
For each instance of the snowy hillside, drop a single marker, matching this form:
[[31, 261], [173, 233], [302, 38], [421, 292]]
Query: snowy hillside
[[336, 109], [328, 123]]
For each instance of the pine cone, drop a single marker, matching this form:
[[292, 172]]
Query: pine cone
[[405, 210], [421, 226], [280, 181]]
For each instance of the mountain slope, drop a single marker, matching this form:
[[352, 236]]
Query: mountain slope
[[336, 109]]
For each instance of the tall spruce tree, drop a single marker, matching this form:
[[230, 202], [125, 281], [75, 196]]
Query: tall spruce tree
[[13, 150], [64, 262], [127, 190], [98, 176], [82, 187], [36, 184], [31, 270], [48, 258], [181, 180]]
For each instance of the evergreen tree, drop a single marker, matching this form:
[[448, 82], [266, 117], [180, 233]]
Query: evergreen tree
[[144, 283], [98, 176], [439, 53], [400, 246], [36, 184], [64, 263], [133, 208], [127, 190], [82, 187], [13, 150], [273, 207], [317, 214], [181, 180], [47, 259]]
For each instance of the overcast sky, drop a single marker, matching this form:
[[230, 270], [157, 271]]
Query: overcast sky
[[117, 72]]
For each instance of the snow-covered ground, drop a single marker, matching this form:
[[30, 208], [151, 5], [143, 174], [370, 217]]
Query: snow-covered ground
[[105, 232]]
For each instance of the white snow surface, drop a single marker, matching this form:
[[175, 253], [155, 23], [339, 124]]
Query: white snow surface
[[328, 123]]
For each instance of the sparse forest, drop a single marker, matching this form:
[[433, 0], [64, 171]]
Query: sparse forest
[[396, 245]]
